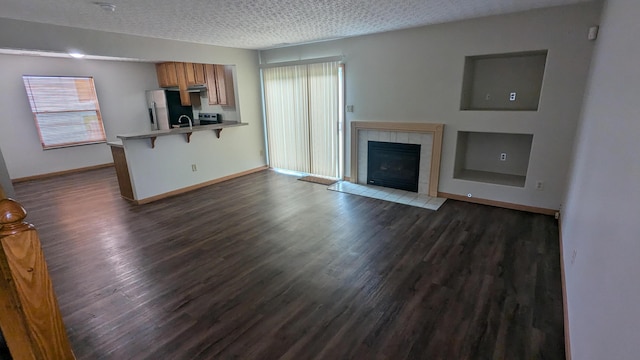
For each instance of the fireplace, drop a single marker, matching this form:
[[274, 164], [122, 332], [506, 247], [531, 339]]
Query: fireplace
[[429, 136], [393, 165]]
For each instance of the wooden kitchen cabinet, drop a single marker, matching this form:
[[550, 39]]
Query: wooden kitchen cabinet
[[200, 74], [167, 74], [185, 98], [194, 74], [220, 85], [161, 73], [229, 87], [189, 73], [186, 74], [170, 74], [212, 91], [217, 78]]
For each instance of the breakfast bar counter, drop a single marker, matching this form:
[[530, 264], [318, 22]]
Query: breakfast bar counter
[[152, 165], [181, 130]]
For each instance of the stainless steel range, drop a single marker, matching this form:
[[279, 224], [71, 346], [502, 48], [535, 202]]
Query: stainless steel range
[[209, 118]]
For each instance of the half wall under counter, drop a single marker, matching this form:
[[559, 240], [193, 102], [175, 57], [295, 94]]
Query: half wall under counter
[[181, 160]]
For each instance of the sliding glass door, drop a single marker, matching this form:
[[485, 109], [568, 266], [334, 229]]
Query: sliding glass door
[[302, 106]]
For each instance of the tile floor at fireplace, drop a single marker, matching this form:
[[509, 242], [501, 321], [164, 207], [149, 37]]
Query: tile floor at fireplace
[[388, 194]]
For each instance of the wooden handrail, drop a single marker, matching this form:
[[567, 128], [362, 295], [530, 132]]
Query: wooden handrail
[[30, 318]]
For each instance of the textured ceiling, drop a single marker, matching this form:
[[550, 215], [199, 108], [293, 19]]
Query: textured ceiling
[[257, 24]]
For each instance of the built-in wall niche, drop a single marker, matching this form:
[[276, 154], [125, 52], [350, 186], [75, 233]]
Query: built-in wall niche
[[496, 158], [503, 81]]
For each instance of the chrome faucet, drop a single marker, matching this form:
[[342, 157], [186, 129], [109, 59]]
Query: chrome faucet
[[188, 118]]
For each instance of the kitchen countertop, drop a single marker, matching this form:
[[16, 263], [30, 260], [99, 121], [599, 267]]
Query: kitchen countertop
[[183, 130], [117, 143]]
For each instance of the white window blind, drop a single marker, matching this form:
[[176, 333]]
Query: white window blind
[[301, 103], [65, 109]]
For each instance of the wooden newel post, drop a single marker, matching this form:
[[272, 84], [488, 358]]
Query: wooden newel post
[[29, 315]]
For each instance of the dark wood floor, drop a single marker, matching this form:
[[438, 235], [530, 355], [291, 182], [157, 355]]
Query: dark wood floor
[[268, 267]]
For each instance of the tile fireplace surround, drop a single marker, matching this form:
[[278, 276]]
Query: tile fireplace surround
[[429, 136]]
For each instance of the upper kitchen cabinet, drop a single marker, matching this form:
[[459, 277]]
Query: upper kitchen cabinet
[[172, 74], [220, 84], [167, 74], [185, 97], [217, 78], [194, 74], [181, 75]]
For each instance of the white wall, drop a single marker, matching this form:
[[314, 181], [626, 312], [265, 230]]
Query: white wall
[[120, 88], [16, 34], [416, 75], [601, 220]]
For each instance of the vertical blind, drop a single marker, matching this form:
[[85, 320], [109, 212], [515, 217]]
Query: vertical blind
[[65, 109], [301, 105]]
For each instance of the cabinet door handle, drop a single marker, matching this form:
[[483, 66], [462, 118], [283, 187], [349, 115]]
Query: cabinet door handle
[[154, 116]]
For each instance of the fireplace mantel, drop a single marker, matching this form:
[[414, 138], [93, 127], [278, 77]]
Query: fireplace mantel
[[435, 129]]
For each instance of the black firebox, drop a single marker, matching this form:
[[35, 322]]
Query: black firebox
[[393, 165]]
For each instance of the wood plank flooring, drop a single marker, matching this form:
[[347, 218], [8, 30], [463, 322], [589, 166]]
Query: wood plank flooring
[[268, 267]]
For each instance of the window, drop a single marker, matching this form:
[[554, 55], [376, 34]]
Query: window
[[66, 110]]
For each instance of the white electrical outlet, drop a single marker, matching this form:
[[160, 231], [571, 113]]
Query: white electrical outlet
[[503, 156], [349, 108], [487, 97], [539, 185], [512, 96], [573, 256], [593, 33], [194, 167]]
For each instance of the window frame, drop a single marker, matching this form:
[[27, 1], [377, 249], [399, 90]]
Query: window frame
[[93, 97]]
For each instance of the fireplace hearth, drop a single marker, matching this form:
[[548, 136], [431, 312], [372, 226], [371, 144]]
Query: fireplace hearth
[[393, 165]]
